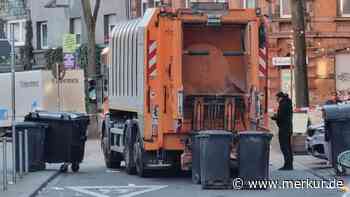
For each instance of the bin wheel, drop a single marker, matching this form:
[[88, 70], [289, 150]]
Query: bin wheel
[[75, 167], [196, 179], [64, 168], [340, 170], [138, 153]]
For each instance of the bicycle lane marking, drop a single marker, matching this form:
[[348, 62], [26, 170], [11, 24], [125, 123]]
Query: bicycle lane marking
[[120, 191]]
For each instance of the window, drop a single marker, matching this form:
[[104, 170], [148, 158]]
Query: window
[[75, 28], [249, 4], [285, 9], [149, 4], [188, 3], [345, 8], [2, 31], [42, 35], [144, 6], [220, 1], [110, 20], [19, 31]]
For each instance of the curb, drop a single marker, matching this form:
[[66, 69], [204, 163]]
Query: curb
[[44, 184]]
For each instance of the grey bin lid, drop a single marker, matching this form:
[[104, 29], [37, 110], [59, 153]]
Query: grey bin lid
[[24, 125], [337, 112], [58, 115], [215, 133], [255, 134]]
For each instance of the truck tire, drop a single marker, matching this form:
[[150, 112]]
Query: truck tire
[[130, 167], [139, 152], [111, 160]]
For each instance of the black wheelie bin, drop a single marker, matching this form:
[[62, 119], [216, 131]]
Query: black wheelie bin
[[253, 156], [66, 137], [215, 149], [36, 133]]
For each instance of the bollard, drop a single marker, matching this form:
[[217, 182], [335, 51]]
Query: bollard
[[4, 161], [20, 150], [26, 157], [14, 160]]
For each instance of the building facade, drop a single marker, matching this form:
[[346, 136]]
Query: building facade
[[52, 19], [328, 48], [327, 38], [13, 12], [138, 7]]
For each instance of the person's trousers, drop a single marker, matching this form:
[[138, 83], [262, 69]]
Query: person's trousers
[[286, 147]]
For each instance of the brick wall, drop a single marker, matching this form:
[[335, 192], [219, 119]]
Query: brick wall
[[328, 34]]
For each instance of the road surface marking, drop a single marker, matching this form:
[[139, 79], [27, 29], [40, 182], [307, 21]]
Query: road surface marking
[[122, 191], [112, 171]]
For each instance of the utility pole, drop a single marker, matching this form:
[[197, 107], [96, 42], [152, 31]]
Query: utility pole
[[300, 74]]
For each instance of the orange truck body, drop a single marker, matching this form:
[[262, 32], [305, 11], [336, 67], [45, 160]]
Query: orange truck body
[[179, 71]]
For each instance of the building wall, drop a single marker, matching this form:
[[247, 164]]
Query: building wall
[[58, 19], [136, 4], [327, 35]]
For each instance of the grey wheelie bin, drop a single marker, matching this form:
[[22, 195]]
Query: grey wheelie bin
[[215, 148], [253, 156], [66, 137], [35, 133], [337, 127], [196, 170]]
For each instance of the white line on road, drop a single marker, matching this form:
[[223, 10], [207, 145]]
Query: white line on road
[[119, 189]]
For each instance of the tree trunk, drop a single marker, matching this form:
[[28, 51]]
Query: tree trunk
[[28, 47], [301, 78], [90, 18]]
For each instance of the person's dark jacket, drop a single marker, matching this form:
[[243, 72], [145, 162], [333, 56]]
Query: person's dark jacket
[[332, 102], [284, 116]]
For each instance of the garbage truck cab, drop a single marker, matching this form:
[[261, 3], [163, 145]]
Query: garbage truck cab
[[174, 72]]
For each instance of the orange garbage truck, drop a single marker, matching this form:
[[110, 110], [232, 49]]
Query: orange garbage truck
[[174, 72]]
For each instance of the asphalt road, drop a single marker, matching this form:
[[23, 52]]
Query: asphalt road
[[94, 180]]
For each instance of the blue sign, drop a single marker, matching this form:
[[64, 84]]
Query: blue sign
[[3, 114]]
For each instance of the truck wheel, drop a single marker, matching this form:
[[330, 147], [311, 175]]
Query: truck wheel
[[111, 160], [129, 160], [140, 168], [129, 151]]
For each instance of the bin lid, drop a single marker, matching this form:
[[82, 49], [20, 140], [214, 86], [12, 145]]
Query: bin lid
[[25, 125], [255, 133], [215, 132], [337, 112], [58, 115]]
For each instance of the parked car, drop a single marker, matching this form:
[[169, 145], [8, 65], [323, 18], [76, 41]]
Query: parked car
[[315, 141]]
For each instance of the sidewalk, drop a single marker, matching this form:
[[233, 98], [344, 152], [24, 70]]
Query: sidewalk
[[304, 163], [31, 183]]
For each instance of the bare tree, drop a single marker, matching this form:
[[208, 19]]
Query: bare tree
[[301, 78], [90, 18]]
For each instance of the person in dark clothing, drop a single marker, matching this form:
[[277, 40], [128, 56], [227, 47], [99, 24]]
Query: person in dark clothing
[[284, 120], [334, 100]]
